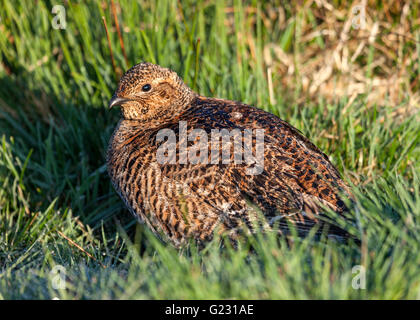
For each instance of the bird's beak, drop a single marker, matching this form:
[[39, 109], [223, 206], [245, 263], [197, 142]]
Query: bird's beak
[[117, 101]]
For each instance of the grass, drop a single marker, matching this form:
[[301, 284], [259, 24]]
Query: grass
[[57, 207]]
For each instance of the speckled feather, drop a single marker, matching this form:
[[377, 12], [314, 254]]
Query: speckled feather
[[182, 201]]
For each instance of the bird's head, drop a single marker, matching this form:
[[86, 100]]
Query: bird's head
[[150, 92]]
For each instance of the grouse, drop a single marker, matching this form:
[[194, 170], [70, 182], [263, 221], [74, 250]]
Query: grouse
[[191, 166]]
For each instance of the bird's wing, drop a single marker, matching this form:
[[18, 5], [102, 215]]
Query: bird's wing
[[281, 195], [297, 180]]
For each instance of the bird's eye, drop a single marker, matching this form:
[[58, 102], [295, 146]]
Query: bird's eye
[[146, 87]]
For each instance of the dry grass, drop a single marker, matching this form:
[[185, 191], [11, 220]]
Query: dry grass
[[335, 56]]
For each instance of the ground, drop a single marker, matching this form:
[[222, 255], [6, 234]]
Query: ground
[[349, 80]]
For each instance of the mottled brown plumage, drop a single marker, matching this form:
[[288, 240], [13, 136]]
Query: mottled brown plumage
[[179, 200]]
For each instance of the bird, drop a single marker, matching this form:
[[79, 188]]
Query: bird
[[160, 164]]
